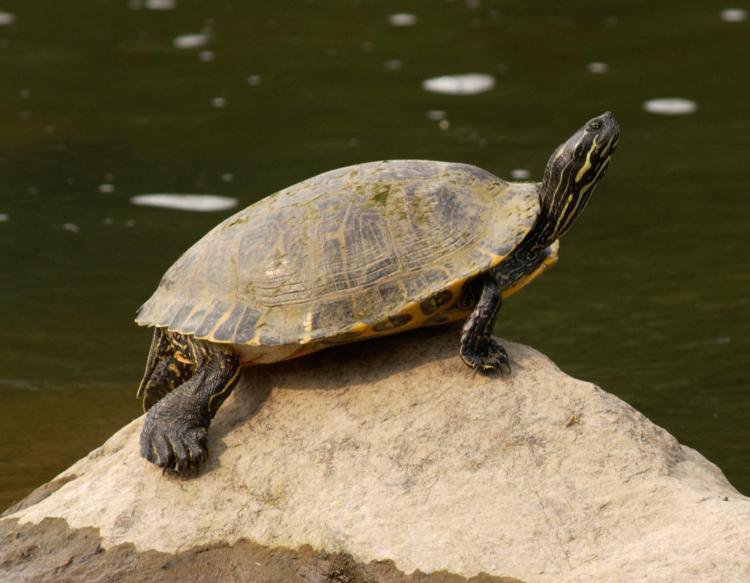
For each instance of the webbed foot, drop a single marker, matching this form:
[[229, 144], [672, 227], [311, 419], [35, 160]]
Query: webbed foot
[[488, 359], [175, 433], [174, 441]]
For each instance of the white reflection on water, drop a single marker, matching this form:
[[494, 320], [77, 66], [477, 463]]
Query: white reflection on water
[[253, 80], [190, 41], [436, 114], [218, 102], [520, 174], [597, 68], [467, 84], [161, 4], [392, 65], [152, 4], [19, 384], [402, 19], [611, 21], [4, 218], [6, 18], [733, 15], [670, 106], [186, 202], [71, 227]]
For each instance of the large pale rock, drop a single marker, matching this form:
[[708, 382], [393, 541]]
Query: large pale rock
[[393, 450]]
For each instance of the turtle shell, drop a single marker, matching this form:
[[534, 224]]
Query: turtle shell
[[359, 251]]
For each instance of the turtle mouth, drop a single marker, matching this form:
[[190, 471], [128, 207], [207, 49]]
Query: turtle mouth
[[611, 129], [608, 137]]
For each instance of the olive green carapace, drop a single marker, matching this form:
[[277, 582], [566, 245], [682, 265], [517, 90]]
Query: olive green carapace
[[348, 254]]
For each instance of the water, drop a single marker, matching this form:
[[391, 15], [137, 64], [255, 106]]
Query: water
[[103, 101]]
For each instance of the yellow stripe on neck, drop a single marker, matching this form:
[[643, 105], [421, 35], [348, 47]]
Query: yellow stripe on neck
[[587, 164]]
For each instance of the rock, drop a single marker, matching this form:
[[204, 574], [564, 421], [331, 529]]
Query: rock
[[390, 461]]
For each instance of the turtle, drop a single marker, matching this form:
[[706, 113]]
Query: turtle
[[351, 254]]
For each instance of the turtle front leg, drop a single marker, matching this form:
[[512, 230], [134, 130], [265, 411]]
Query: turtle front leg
[[478, 349], [174, 435]]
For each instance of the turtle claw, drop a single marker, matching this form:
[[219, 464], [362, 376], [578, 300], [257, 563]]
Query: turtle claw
[[489, 360], [175, 445]]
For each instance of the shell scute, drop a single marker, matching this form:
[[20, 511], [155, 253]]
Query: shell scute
[[219, 309], [436, 301], [245, 329], [225, 331]]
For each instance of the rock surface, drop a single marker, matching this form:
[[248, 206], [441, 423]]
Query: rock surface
[[390, 461]]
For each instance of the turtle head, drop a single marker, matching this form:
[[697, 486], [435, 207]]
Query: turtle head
[[574, 170]]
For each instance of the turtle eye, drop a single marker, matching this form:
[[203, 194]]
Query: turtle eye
[[595, 125]]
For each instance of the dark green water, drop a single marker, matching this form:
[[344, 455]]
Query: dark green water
[[97, 104]]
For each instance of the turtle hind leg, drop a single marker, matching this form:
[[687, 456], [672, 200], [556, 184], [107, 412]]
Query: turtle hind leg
[[478, 349], [170, 363], [174, 435]]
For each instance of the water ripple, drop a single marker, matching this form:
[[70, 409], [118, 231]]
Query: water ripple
[[186, 202], [733, 15], [161, 4], [190, 41], [670, 106], [466, 84], [597, 68], [402, 19]]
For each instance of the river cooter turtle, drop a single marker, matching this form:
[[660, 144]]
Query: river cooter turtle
[[353, 253]]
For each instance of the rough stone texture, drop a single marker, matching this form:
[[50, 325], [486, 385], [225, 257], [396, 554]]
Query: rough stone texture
[[51, 551], [391, 450]]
